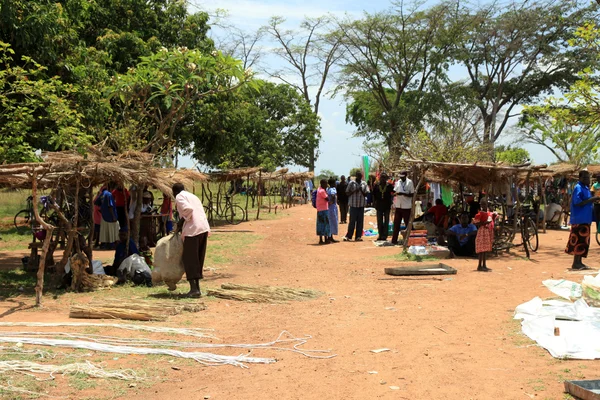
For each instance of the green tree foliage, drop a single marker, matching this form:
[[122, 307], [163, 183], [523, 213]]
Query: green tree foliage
[[511, 155], [392, 61], [155, 96], [37, 112], [516, 52], [326, 174], [570, 126], [266, 125]]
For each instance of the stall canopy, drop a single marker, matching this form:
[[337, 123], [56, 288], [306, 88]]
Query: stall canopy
[[94, 169]]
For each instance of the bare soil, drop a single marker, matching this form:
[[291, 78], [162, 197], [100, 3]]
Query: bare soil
[[450, 337]]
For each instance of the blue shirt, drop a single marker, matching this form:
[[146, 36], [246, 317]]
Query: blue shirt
[[583, 214], [459, 230], [105, 208]]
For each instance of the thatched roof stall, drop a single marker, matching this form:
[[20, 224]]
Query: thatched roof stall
[[298, 177], [95, 169], [477, 175], [569, 171], [233, 174], [76, 171]]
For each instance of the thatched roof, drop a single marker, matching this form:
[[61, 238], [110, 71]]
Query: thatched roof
[[298, 177], [94, 169], [273, 176], [473, 175], [233, 174]]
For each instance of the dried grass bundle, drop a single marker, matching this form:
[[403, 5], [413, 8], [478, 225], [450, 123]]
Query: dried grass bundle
[[110, 312], [262, 294], [164, 307]]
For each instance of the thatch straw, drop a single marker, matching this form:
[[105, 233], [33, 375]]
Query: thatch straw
[[262, 294], [101, 312], [158, 307]]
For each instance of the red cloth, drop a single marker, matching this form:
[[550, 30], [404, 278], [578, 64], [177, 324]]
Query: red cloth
[[439, 211], [166, 208], [121, 197]]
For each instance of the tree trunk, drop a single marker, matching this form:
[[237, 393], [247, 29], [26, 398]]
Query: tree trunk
[[39, 287]]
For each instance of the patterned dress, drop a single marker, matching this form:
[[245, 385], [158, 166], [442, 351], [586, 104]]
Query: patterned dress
[[333, 211], [485, 233]]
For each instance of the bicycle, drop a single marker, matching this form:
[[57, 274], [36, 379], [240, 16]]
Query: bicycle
[[232, 213], [24, 220], [506, 232]]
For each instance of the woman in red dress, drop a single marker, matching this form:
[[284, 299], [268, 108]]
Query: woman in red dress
[[484, 220]]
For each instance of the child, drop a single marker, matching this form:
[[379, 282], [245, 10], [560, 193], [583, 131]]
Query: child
[[484, 220], [323, 229]]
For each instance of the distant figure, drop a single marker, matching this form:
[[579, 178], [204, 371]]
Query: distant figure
[[582, 203], [121, 252], [440, 213], [121, 196], [461, 238], [383, 192], [405, 190], [484, 220], [195, 230], [323, 228], [333, 210], [166, 211], [356, 190], [342, 199], [109, 226]]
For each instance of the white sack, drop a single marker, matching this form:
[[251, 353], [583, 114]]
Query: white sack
[[168, 263], [566, 289]]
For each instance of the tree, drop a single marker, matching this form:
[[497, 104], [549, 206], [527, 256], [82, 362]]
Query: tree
[[310, 54], [514, 53], [326, 174], [154, 97], [267, 125], [511, 155], [393, 63], [36, 112], [570, 126]]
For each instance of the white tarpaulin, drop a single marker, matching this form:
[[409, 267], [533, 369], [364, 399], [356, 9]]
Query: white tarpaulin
[[578, 324]]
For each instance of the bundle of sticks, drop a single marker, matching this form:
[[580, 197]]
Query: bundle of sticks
[[138, 310], [262, 294]]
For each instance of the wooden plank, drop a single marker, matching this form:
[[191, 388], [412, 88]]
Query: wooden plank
[[425, 269]]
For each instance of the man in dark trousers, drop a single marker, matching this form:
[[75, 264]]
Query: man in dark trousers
[[342, 199], [356, 190], [194, 232], [382, 199], [405, 190]]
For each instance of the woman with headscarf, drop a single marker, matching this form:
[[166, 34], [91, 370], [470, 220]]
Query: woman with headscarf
[[333, 210]]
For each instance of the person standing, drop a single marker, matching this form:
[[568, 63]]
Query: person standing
[[342, 199], [333, 210], [121, 197], [484, 241], [582, 205], [323, 229], [195, 230], [382, 199], [405, 190], [356, 190], [109, 226]]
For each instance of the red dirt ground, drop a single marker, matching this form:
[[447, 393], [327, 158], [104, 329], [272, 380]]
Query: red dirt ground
[[451, 337]]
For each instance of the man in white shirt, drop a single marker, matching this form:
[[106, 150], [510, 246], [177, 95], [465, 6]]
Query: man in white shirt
[[194, 231], [405, 190]]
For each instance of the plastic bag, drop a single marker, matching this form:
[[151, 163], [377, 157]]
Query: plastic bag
[[566, 289], [132, 264]]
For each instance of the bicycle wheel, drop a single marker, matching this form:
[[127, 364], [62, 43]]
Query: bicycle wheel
[[530, 235], [23, 221], [235, 215]]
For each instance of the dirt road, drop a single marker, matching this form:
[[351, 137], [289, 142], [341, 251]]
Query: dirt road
[[450, 337]]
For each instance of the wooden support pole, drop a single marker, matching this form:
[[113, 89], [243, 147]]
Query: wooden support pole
[[39, 287], [92, 227], [247, 196], [259, 192], [543, 190]]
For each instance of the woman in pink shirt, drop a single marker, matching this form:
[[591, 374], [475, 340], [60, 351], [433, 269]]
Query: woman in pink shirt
[[323, 230]]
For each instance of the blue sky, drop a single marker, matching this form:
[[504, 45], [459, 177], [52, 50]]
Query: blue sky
[[339, 149]]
